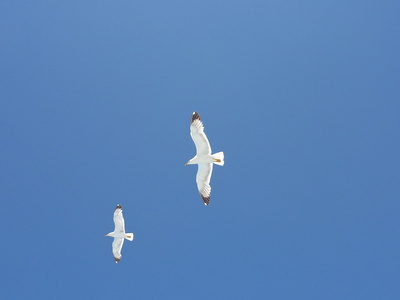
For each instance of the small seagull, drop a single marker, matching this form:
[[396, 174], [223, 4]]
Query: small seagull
[[204, 159], [119, 234]]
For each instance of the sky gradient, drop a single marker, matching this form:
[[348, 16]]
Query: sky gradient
[[302, 97]]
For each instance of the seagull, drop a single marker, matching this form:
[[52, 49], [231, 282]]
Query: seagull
[[119, 233], [204, 159]]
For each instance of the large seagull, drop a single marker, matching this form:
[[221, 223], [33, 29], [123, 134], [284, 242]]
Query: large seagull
[[204, 159], [119, 233]]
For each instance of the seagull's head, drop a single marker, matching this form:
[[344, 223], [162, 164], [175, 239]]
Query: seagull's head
[[192, 161]]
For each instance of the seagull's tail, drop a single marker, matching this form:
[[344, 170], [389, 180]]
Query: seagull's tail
[[218, 158], [129, 236]]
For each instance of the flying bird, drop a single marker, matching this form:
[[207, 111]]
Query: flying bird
[[119, 233], [204, 159]]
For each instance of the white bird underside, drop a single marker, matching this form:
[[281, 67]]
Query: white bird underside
[[119, 234], [204, 159], [203, 178], [116, 248], [119, 221], [198, 136]]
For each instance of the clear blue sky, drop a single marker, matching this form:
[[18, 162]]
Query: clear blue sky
[[303, 97]]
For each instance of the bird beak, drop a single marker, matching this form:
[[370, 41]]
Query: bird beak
[[186, 164]]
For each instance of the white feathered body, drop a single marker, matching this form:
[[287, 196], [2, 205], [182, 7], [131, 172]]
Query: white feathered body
[[119, 234], [217, 158], [204, 159]]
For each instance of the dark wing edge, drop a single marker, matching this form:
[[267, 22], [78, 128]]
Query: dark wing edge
[[206, 200], [195, 116]]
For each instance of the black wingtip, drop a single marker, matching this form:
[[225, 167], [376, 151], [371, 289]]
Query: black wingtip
[[118, 206], [206, 200], [195, 116], [117, 260]]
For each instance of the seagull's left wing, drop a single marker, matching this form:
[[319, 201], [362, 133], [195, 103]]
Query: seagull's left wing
[[198, 135], [203, 177], [116, 247], [119, 220]]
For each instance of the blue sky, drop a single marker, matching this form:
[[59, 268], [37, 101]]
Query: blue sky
[[302, 97]]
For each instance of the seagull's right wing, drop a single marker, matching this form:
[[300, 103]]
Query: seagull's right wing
[[119, 220], [203, 177], [116, 247], [199, 137]]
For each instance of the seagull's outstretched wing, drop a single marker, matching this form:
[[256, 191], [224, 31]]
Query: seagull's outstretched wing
[[119, 220], [203, 177], [116, 247], [199, 137]]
